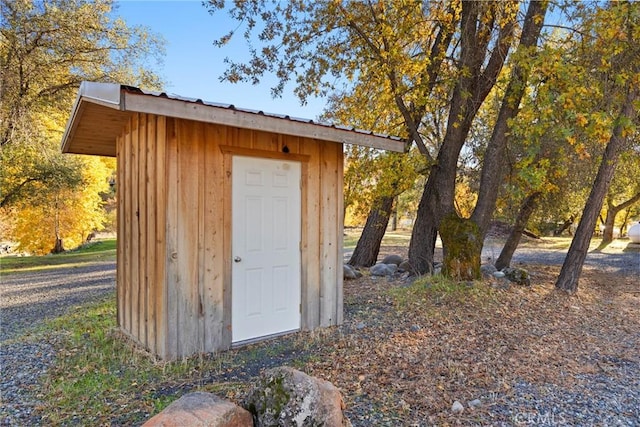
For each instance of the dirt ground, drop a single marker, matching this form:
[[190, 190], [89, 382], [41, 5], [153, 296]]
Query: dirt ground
[[416, 358], [406, 352], [510, 355]]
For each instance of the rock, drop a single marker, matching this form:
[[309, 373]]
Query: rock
[[201, 409], [393, 259], [378, 270], [457, 407], [498, 274], [517, 275], [383, 269], [475, 403], [405, 266], [287, 397], [488, 269], [415, 328], [361, 326], [348, 272]]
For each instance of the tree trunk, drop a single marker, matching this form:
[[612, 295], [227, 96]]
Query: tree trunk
[[493, 163], [425, 227], [462, 243], [527, 208], [366, 252], [58, 248], [610, 220], [566, 224], [572, 266], [469, 94], [625, 221], [472, 88], [394, 214]]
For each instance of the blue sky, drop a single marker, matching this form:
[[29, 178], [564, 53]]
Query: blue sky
[[192, 65]]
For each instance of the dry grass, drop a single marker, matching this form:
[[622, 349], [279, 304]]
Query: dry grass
[[427, 345]]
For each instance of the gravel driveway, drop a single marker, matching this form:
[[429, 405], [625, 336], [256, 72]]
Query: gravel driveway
[[625, 262], [26, 300]]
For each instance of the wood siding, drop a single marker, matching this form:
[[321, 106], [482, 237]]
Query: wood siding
[[141, 188], [174, 225]]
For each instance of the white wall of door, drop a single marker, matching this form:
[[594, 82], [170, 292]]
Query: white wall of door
[[266, 233]]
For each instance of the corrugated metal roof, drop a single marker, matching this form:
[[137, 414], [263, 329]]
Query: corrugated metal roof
[[101, 109], [258, 112]]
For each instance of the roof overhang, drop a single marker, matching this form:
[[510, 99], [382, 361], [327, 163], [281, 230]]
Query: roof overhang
[[102, 109]]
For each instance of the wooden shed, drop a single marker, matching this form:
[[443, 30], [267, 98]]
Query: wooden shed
[[229, 220]]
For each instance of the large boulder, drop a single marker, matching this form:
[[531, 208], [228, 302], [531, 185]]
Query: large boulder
[[393, 259], [383, 269], [487, 270], [201, 409], [348, 272], [287, 397]]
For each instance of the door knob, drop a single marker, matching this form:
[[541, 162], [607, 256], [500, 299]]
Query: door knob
[[237, 259]]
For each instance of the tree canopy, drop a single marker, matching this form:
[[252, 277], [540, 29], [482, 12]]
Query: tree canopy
[[430, 67], [47, 49]]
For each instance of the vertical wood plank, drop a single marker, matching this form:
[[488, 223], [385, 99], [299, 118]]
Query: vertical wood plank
[[267, 141], [296, 143], [187, 284], [245, 138], [226, 255], [120, 180], [150, 234], [311, 236], [235, 137], [135, 228], [160, 283], [172, 273], [213, 235], [328, 239], [199, 144], [142, 230], [125, 187], [340, 235]]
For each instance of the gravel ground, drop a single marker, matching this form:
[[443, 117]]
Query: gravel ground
[[621, 261], [27, 300], [608, 398]]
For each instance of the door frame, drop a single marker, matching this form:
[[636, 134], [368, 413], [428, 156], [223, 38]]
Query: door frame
[[228, 152]]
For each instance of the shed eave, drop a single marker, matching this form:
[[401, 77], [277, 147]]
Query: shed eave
[[92, 97], [100, 109]]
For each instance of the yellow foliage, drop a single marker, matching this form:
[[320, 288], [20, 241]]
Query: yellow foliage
[[354, 216], [465, 199], [47, 48], [69, 214], [581, 119]]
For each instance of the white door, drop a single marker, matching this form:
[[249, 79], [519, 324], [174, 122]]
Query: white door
[[266, 224]]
